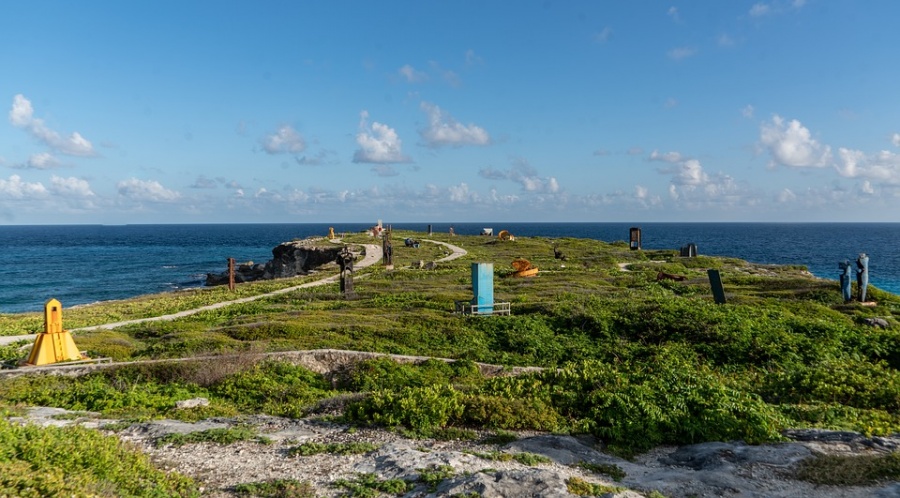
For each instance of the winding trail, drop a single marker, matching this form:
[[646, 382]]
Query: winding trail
[[373, 255]]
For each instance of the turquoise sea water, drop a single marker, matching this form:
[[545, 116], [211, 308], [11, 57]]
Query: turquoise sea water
[[80, 264]]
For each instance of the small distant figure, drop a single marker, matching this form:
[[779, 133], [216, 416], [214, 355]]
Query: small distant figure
[[862, 275], [846, 292], [452, 233], [558, 254]]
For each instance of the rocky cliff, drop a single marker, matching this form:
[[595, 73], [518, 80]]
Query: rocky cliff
[[289, 259]]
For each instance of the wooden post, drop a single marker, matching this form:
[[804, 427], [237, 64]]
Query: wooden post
[[231, 274]]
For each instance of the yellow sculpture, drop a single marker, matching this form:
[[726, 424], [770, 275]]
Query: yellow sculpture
[[54, 344], [331, 233]]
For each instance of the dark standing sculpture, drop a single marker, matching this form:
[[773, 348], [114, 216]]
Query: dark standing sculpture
[[387, 250], [862, 275], [845, 280], [345, 261]]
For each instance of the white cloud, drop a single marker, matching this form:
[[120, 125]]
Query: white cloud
[[670, 103], [525, 175], [70, 187], [204, 183], [673, 192], [867, 188], [472, 59], [603, 35], [146, 190], [786, 195], [668, 157], [461, 194], [691, 173], [747, 111], [15, 188], [680, 53], [882, 167], [792, 144], [724, 40], [384, 170], [378, 143], [41, 160], [411, 75], [284, 141], [673, 13], [21, 115], [322, 157], [759, 10], [895, 139], [691, 187], [444, 130], [449, 76]]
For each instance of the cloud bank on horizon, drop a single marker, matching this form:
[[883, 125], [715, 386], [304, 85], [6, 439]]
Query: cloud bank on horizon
[[571, 111]]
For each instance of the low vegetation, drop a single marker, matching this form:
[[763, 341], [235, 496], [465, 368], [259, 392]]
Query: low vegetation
[[633, 360], [276, 488], [72, 461]]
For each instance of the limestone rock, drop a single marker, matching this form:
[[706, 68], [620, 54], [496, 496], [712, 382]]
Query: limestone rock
[[880, 323], [191, 403], [289, 259], [534, 482]]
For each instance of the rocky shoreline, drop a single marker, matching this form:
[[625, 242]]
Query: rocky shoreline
[[476, 468], [289, 259]]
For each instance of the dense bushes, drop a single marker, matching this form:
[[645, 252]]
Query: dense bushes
[[72, 461]]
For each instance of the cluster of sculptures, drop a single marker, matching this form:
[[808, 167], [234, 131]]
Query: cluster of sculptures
[[862, 277]]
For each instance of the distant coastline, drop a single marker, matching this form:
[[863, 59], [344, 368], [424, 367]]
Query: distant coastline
[[80, 264]]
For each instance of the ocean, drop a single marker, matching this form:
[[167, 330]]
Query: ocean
[[80, 264]]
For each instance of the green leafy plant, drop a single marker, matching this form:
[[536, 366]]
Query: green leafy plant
[[31, 459], [608, 469], [276, 488], [218, 436], [312, 448]]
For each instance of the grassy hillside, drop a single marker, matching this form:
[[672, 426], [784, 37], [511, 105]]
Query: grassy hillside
[[635, 361]]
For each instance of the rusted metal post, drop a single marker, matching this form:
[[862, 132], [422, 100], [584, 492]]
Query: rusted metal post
[[634, 236], [231, 274]]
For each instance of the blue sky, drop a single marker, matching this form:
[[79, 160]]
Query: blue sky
[[216, 112]]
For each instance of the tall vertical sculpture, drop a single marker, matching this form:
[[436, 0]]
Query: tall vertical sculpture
[[862, 275]]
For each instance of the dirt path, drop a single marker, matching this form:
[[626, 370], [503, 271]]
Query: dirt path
[[457, 252], [373, 255]]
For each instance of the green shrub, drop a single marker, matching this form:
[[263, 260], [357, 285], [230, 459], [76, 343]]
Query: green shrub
[[848, 381], [72, 461], [276, 488], [849, 470], [218, 436], [417, 408], [275, 388], [607, 469], [497, 412], [369, 485], [385, 373], [313, 448]]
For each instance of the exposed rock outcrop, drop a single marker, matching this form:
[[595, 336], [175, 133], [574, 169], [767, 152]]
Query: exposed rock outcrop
[[290, 259]]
